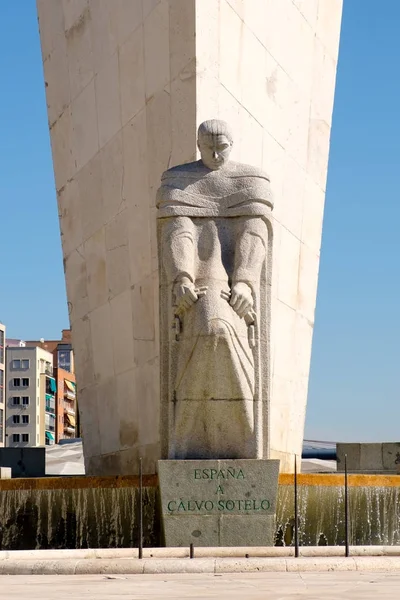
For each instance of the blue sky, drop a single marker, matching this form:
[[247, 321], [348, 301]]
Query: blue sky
[[354, 392], [32, 289]]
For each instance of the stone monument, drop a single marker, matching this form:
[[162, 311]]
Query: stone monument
[[127, 84], [215, 242]]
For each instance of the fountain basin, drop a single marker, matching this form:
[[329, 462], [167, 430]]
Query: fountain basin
[[103, 512]]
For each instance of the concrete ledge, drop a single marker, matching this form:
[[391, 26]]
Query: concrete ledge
[[200, 552], [77, 482], [152, 566], [80, 482]]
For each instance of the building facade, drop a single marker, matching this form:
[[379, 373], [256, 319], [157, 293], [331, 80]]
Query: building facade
[[30, 397], [66, 422], [2, 385], [66, 413]]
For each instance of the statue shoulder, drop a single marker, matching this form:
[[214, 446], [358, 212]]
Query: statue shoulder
[[243, 170], [184, 170]]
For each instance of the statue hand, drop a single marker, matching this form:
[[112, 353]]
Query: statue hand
[[241, 298], [185, 295]]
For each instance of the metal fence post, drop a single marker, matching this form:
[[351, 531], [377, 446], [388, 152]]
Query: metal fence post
[[140, 508], [296, 512], [346, 507]]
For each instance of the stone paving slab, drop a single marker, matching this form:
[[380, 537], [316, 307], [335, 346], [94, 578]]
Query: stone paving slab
[[250, 586]]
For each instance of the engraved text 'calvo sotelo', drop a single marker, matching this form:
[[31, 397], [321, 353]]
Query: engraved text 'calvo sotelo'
[[219, 504]]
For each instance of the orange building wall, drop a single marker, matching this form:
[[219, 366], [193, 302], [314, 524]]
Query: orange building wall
[[62, 401]]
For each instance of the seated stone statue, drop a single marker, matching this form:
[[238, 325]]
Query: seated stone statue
[[214, 233]]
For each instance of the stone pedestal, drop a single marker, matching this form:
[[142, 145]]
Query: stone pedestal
[[219, 502]]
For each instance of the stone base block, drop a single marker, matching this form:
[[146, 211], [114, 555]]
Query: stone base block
[[366, 458], [5, 473], [218, 502]]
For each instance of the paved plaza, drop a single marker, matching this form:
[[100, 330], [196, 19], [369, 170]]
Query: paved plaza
[[254, 586]]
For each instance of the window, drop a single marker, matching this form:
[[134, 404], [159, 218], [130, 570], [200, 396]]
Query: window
[[16, 419], [25, 382], [2, 346], [1, 425], [37, 438], [50, 422], [1, 378], [64, 359], [16, 364], [48, 368], [37, 419], [15, 437], [51, 386], [25, 437], [17, 382], [25, 400], [25, 363], [16, 400], [50, 404], [25, 419]]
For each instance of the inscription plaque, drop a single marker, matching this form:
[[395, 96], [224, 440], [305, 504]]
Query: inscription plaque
[[219, 502]]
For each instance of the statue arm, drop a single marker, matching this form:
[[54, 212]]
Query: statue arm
[[250, 251], [178, 249], [249, 257]]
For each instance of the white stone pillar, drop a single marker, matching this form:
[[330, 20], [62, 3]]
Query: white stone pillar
[[127, 83]]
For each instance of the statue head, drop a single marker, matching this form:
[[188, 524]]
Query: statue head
[[214, 140]]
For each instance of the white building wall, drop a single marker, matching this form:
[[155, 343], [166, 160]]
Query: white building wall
[[26, 363]]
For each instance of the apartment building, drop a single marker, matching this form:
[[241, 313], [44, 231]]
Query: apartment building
[[2, 384], [66, 411], [66, 422], [30, 396]]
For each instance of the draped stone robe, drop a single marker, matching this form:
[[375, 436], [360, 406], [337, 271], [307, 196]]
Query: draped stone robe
[[214, 229]]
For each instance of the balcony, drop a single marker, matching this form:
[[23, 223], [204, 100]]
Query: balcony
[[69, 424], [51, 387], [69, 389], [50, 404], [70, 395], [50, 422], [50, 439], [69, 409]]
